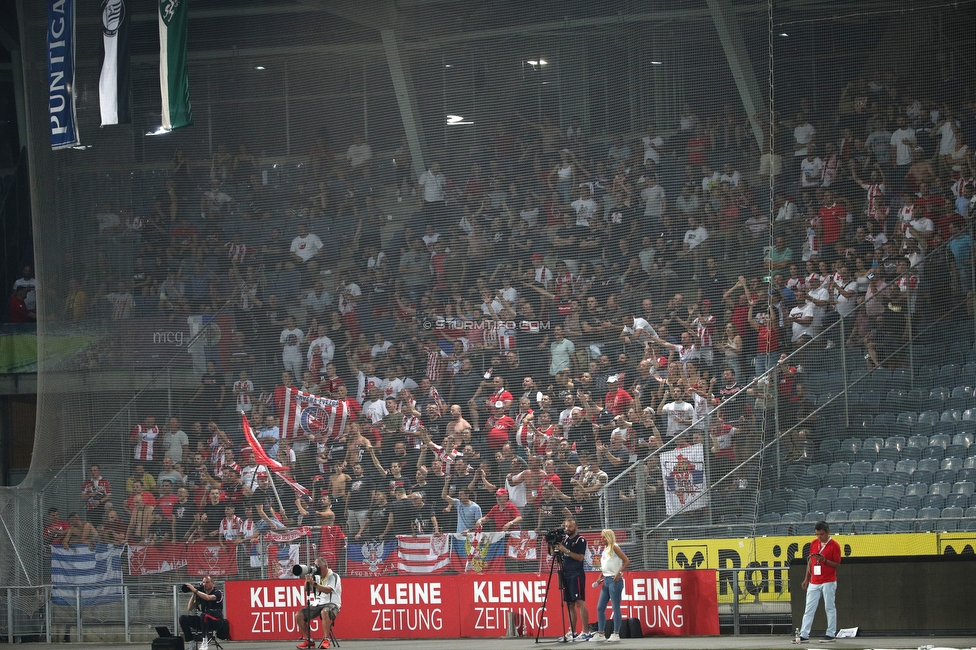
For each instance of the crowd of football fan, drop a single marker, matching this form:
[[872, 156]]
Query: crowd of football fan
[[516, 344]]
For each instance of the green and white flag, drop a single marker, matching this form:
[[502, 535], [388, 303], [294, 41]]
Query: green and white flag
[[173, 81]]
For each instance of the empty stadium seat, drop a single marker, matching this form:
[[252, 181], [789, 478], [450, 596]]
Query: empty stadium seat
[[859, 515], [940, 440], [884, 466], [963, 487], [804, 493], [922, 476], [861, 467], [895, 442], [839, 468], [849, 492], [912, 501], [895, 490], [866, 503], [888, 502], [933, 451], [901, 526], [882, 514], [945, 476], [952, 463], [956, 451], [970, 512], [929, 513], [906, 465], [900, 478], [814, 516], [957, 501], [835, 516], [829, 493], [821, 504], [819, 470], [917, 489], [843, 503], [873, 490], [966, 473], [943, 489], [905, 513], [834, 480], [960, 398], [918, 442], [963, 439], [929, 465], [933, 501]]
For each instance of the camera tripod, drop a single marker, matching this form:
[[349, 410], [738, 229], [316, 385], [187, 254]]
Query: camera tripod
[[557, 559]]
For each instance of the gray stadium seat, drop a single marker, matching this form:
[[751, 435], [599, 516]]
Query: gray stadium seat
[[912, 501], [906, 465], [836, 516], [929, 465], [953, 463], [861, 467], [917, 489], [963, 487], [843, 503], [942, 489], [872, 491], [905, 513], [894, 490], [860, 515], [829, 493], [895, 442]]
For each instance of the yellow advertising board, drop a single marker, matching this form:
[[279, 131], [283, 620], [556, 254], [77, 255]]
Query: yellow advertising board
[[770, 557]]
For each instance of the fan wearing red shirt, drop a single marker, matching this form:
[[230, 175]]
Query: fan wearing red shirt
[[821, 579], [55, 527], [500, 426], [617, 400], [833, 219], [504, 515]]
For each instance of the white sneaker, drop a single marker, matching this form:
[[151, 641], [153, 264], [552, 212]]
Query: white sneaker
[[582, 637], [566, 638], [614, 638], [204, 644], [192, 646]]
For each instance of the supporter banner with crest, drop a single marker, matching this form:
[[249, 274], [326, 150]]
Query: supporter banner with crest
[[685, 485], [306, 413], [211, 560], [147, 560], [371, 559]]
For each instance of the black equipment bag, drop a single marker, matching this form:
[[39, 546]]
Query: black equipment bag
[[634, 629], [167, 643]]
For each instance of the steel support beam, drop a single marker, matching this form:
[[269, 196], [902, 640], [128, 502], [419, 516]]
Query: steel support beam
[[406, 100], [730, 34]]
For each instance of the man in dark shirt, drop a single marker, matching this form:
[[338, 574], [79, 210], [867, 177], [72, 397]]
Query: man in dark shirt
[[379, 519], [463, 387], [573, 550]]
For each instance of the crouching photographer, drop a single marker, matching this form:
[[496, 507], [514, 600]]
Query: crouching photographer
[[210, 602], [323, 589]]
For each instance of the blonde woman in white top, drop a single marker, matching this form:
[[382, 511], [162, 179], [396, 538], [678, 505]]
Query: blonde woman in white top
[[613, 563]]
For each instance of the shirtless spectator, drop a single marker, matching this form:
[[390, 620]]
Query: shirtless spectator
[[80, 532]]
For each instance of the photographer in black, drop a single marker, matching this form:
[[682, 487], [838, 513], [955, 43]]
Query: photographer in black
[[210, 601], [573, 550]]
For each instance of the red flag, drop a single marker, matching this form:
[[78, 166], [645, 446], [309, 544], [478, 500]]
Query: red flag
[[331, 541], [259, 455], [263, 459], [204, 559]]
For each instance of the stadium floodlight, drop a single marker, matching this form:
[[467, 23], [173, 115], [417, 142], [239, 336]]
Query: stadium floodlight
[[159, 131], [457, 119]]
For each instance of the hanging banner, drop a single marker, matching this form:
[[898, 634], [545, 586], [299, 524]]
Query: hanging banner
[[685, 487], [174, 82], [61, 73], [113, 83]]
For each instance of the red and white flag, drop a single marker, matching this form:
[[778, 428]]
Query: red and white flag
[[262, 458], [423, 553], [303, 413]]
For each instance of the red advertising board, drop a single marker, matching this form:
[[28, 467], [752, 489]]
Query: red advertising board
[[668, 603], [408, 607]]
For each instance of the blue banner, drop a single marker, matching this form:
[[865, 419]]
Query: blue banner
[[61, 73]]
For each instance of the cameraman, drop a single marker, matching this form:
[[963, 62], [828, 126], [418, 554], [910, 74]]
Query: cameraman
[[573, 548], [324, 590], [210, 601]]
